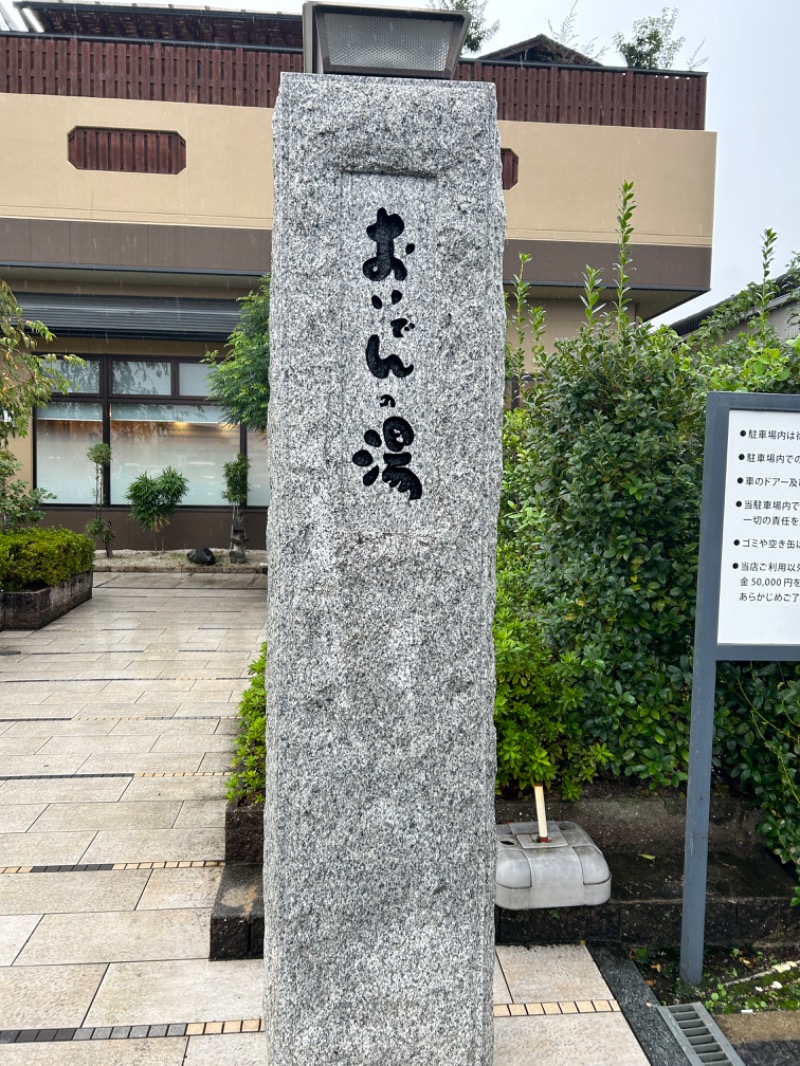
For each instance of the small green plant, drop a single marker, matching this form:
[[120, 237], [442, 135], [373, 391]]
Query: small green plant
[[154, 499], [247, 782], [527, 324], [100, 455], [39, 558]]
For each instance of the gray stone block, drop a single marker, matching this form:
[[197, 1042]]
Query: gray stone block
[[379, 828]]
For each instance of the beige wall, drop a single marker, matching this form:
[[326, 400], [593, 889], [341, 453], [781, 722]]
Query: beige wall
[[22, 449], [227, 180], [568, 188], [570, 176]]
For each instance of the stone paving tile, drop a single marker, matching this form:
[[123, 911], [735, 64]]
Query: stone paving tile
[[217, 761], [500, 991], [167, 1051], [73, 893], [21, 745], [223, 709], [24, 692], [166, 788], [74, 727], [162, 762], [137, 992], [43, 849], [97, 745], [175, 742], [576, 1040], [182, 697], [39, 997], [17, 817], [138, 671], [121, 936], [215, 689], [39, 765], [183, 726], [179, 888], [202, 814], [12, 710], [229, 1049], [64, 698], [108, 816], [104, 710], [544, 974], [156, 845], [14, 932], [64, 790]]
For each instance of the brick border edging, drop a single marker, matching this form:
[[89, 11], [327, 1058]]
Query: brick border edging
[[130, 1032]]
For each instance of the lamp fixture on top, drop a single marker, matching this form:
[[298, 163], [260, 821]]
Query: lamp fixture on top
[[380, 41]]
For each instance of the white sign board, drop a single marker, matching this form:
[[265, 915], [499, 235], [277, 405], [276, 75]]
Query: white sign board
[[759, 598]]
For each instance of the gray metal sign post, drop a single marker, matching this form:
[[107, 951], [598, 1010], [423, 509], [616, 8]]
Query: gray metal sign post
[[748, 593]]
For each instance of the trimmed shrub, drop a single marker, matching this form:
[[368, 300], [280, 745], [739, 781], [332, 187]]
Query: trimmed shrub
[[39, 558], [248, 780]]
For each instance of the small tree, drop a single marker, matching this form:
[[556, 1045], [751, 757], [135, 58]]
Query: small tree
[[236, 493], [479, 29], [154, 499], [27, 380], [100, 455], [239, 380], [652, 45]]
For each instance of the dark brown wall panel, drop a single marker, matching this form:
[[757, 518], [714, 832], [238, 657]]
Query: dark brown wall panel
[[249, 77], [128, 151], [510, 161]]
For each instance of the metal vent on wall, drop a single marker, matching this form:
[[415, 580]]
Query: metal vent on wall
[[699, 1036]]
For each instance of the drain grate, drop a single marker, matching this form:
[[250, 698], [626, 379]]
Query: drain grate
[[699, 1036]]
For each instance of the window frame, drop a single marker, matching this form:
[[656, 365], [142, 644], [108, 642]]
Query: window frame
[[105, 396]]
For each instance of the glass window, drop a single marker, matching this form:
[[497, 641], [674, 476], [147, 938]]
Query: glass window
[[84, 378], [258, 491], [193, 379], [64, 433], [189, 437], [141, 377]]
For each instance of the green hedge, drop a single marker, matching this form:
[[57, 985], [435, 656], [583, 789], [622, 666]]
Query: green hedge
[[39, 558], [247, 782]]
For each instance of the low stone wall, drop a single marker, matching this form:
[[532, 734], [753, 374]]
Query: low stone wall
[[32, 609], [647, 822]]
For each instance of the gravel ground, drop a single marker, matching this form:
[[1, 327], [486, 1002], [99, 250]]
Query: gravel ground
[[175, 562]]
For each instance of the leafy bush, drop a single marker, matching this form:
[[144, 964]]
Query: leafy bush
[[39, 558], [597, 558], [20, 505], [247, 782], [154, 499], [236, 472]]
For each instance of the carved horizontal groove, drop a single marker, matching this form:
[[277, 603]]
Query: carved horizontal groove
[[126, 151]]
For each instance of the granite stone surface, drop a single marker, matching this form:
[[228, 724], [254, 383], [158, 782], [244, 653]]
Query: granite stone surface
[[387, 334]]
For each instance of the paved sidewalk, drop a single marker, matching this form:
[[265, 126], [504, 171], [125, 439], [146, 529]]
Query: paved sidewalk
[[115, 732]]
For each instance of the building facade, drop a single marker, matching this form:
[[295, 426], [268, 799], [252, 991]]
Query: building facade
[[137, 210]]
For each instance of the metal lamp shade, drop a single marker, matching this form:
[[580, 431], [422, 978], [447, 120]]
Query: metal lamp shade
[[384, 42]]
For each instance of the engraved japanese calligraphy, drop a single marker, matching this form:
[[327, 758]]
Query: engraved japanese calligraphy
[[398, 434]]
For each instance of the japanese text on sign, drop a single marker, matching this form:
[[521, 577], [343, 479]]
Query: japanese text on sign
[[759, 600], [396, 434]]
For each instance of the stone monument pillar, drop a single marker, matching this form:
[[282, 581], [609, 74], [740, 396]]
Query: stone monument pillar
[[387, 335]]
